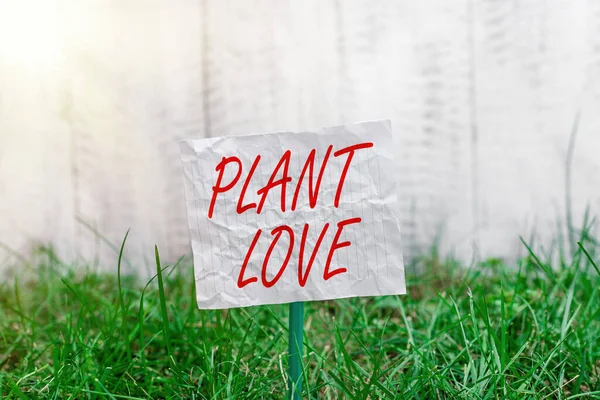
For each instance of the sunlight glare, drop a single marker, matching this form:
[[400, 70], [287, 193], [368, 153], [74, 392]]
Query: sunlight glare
[[30, 33]]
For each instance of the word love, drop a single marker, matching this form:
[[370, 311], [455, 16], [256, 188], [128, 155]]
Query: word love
[[280, 178], [302, 275]]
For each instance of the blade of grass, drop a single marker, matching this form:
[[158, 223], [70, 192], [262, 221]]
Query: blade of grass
[[121, 298], [589, 257]]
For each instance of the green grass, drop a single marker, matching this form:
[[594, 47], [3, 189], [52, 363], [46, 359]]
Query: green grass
[[489, 331]]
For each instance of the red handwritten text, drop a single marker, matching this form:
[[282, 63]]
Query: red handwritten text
[[283, 235]]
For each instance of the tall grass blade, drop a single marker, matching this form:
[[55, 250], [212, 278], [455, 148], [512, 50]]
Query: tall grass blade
[[589, 257]]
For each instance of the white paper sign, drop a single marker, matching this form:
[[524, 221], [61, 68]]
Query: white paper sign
[[283, 217]]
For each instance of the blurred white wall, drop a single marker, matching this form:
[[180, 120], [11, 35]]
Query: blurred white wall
[[482, 96]]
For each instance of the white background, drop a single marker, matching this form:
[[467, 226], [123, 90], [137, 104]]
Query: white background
[[482, 96]]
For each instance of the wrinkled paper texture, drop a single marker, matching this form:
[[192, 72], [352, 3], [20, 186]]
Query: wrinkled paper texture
[[373, 261]]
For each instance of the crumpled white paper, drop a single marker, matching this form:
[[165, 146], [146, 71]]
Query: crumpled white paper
[[373, 261]]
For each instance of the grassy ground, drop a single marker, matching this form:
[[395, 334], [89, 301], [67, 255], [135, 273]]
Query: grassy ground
[[486, 332]]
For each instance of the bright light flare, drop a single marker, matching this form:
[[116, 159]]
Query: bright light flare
[[31, 34]]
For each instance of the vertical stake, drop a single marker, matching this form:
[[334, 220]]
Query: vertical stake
[[295, 350]]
